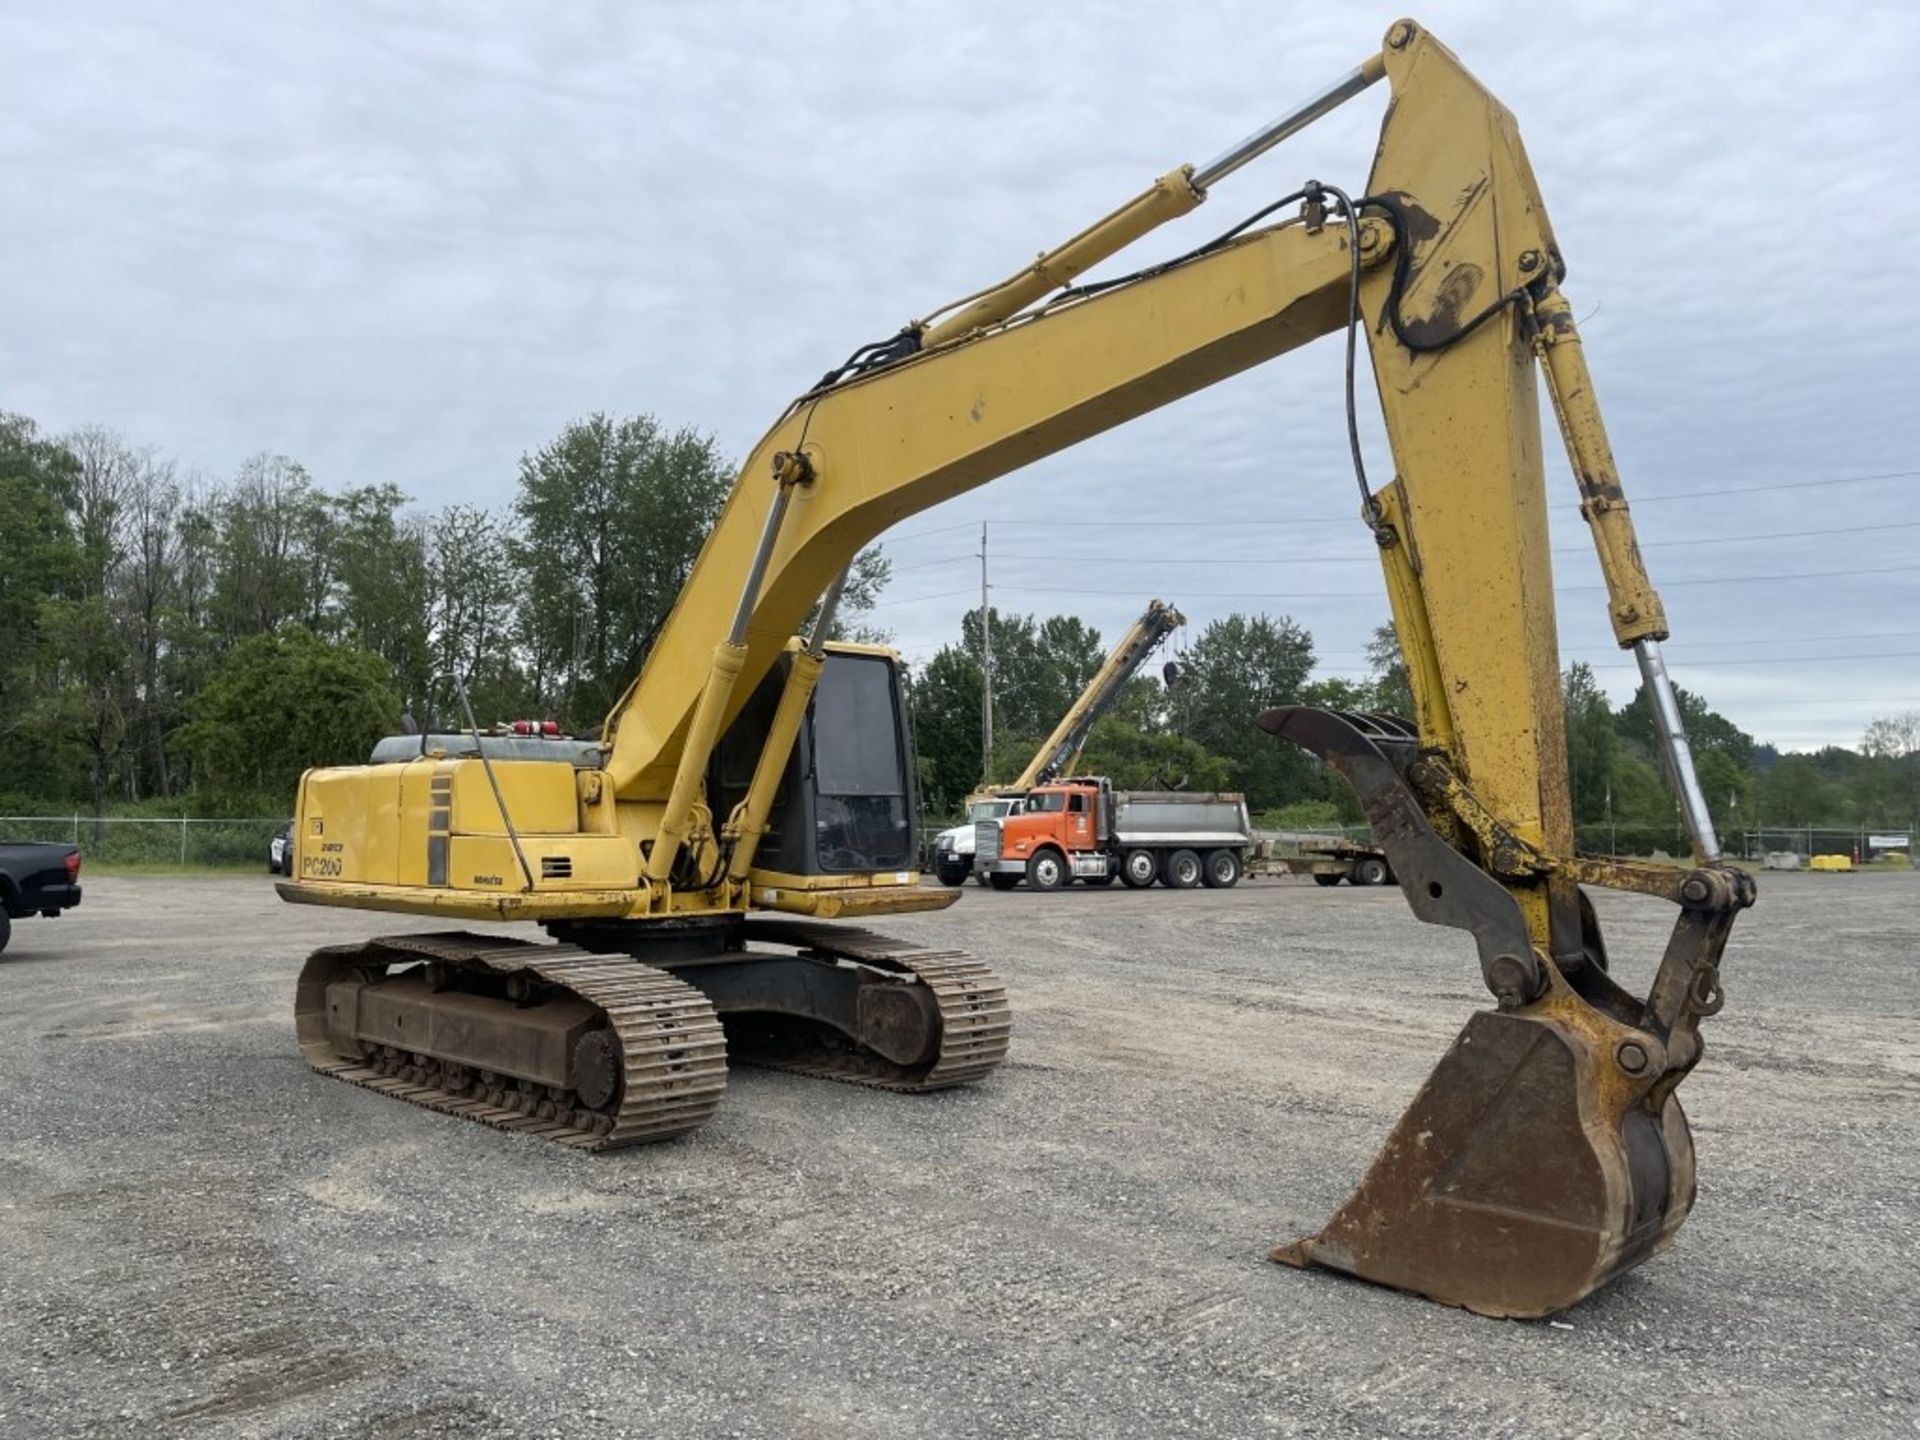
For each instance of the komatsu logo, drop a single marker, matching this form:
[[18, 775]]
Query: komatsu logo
[[488, 880]]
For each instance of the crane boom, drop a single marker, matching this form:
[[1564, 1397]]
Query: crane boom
[[1059, 753]]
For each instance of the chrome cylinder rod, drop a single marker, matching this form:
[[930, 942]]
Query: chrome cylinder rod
[[823, 622], [1673, 739], [750, 592], [1268, 136]]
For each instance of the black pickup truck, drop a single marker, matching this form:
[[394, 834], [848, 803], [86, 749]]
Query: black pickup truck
[[36, 880]]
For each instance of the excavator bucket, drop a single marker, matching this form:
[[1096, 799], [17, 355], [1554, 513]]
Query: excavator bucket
[[1546, 1153], [1520, 1180]]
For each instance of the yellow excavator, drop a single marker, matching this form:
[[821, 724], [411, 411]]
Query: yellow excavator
[[754, 782]]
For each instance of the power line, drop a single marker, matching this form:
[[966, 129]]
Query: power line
[[1675, 662], [1689, 643], [1813, 639], [1373, 560], [936, 530], [1078, 523], [929, 564], [940, 595], [1754, 579], [1372, 595], [1757, 489]]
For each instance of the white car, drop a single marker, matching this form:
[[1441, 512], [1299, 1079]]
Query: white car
[[953, 849]]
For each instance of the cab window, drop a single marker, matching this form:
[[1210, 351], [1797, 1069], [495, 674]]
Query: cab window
[[1046, 802], [1077, 803]]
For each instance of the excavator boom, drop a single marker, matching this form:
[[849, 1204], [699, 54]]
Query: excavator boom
[[751, 767]]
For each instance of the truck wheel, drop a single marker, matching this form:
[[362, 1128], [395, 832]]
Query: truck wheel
[[6, 929], [953, 874], [1048, 870], [1221, 870], [1370, 871], [1002, 882], [1138, 869], [1319, 879], [1181, 870]]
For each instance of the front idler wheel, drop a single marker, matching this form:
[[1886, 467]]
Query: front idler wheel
[[595, 1069]]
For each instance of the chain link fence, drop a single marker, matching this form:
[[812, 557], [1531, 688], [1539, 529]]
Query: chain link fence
[[126, 840], [186, 841], [1862, 846]]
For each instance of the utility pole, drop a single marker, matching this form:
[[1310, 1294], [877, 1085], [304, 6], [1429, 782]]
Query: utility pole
[[986, 667]]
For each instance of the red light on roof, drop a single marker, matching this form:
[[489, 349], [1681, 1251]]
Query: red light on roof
[[523, 727], [549, 727]]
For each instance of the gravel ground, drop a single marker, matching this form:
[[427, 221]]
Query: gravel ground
[[204, 1238]]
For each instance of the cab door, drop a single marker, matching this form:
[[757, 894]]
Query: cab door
[[1079, 821]]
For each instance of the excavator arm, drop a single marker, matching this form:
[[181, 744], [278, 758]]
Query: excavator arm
[[1547, 1151], [1059, 754]]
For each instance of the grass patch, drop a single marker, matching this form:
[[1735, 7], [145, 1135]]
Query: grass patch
[[92, 869]]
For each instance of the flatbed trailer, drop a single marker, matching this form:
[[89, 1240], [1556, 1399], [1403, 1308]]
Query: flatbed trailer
[[1328, 861]]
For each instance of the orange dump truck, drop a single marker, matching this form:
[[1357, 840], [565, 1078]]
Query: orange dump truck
[[1084, 829]]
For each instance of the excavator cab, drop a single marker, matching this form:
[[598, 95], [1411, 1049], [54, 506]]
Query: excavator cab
[[846, 800]]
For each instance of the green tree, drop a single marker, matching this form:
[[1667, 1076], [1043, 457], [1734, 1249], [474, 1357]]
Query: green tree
[[1891, 747], [1727, 788], [612, 515], [472, 588], [84, 691], [1392, 691], [1135, 757], [280, 703], [1707, 729], [382, 592], [1796, 791], [946, 728], [1039, 669], [270, 533], [1591, 742], [866, 578], [146, 602], [39, 557], [1240, 666]]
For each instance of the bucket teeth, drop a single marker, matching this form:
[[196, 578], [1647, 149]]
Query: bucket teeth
[[1527, 1173]]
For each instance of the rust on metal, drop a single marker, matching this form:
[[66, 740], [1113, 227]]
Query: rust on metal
[[1547, 1151]]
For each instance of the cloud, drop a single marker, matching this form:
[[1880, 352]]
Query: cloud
[[408, 243]]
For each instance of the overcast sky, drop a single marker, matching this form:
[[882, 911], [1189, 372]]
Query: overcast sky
[[408, 242]]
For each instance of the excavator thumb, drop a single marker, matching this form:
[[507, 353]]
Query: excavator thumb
[[1546, 1153]]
